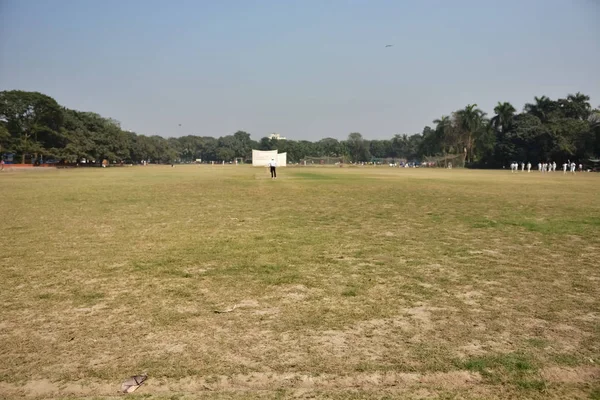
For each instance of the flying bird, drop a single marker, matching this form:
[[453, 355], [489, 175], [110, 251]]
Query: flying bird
[[388, 45]]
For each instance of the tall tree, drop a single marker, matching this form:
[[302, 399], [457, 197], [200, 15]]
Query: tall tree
[[576, 106], [470, 121], [504, 116], [4, 137], [329, 147], [357, 147], [446, 134], [243, 144], [32, 118], [542, 108]]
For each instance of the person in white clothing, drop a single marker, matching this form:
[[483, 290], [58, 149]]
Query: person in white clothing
[[272, 168], [572, 167], [512, 167], [528, 167], [554, 166], [522, 167], [540, 167], [580, 167], [565, 168]]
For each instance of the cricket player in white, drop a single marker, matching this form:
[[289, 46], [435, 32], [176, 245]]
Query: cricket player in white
[[522, 167], [564, 168], [572, 167], [272, 168], [528, 167]]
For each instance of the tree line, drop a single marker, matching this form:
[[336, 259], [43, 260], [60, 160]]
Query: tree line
[[34, 125]]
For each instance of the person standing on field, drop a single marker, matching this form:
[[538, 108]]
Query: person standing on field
[[522, 167], [564, 168], [528, 167], [272, 167]]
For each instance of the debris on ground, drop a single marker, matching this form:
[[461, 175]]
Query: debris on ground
[[132, 383], [226, 310]]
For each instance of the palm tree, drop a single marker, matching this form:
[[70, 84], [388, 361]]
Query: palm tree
[[470, 121], [504, 115], [444, 133], [582, 105], [541, 108]]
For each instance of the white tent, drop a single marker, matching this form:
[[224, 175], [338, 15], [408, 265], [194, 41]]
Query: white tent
[[261, 158]]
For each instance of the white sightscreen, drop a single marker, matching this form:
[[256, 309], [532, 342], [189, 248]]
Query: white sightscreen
[[260, 158], [281, 159]]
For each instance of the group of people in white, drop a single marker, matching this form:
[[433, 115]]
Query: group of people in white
[[546, 167], [514, 167]]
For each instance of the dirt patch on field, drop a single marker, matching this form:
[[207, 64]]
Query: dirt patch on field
[[572, 374], [256, 381]]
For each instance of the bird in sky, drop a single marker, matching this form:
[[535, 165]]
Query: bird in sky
[[388, 45]]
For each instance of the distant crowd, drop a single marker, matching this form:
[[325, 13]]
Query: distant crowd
[[547, 167]]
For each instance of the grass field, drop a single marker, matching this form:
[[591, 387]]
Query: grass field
[[347, 282]]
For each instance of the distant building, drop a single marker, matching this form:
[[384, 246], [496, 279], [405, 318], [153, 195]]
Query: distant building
[[276, 136]]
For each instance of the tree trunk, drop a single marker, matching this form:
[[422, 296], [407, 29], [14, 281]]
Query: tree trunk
[[470, 148]]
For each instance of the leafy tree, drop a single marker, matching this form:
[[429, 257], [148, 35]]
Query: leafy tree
[[5, 138], [576, 106], [378, 148], [357, 147], [243, 144], [329, 147], [446, 134], [470, 122], [567, 128], [225, 154], [526, 140], [542, 108], [505, 113], [265, 144], [33, 120]]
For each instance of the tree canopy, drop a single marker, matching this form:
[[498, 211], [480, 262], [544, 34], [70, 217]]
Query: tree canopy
[[33, 124]]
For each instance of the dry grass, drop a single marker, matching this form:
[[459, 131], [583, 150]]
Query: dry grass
[[349, 283]]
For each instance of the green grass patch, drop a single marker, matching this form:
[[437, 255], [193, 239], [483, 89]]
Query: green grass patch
[[514, 368]]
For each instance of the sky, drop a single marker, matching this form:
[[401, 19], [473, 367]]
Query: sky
[[305, 69]]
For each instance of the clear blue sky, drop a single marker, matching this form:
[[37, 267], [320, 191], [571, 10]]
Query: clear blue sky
[[306, 69]]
